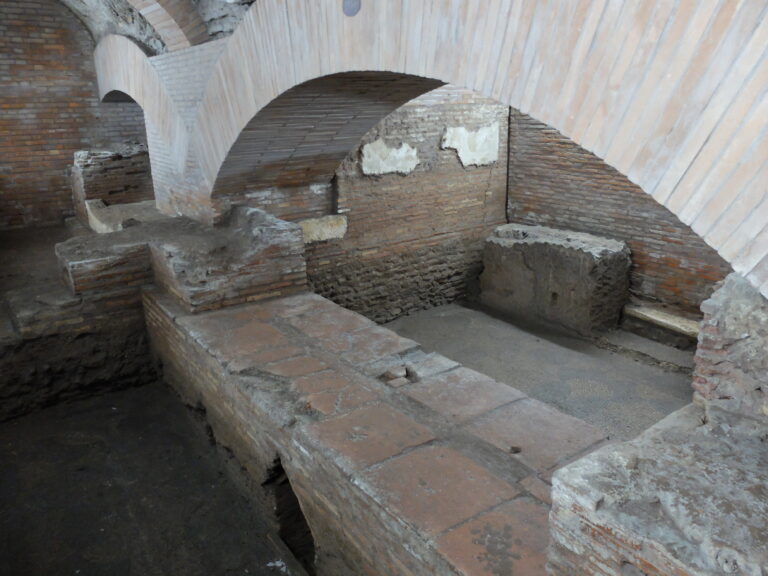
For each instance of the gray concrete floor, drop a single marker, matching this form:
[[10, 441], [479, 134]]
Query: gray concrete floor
[[610, 390], [125, 484]]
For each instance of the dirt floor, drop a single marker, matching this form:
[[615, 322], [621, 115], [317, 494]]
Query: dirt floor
[[611, 390], [125, 484], [28, 256]]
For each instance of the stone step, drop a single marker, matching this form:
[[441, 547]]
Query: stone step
[[660, 323], [647, 350]]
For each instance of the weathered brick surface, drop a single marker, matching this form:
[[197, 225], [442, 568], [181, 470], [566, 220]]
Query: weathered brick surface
[[118, 176], [684, 498], [49, 109], [254, 257], [388, 486], [554, 182], [731, 363], [414, 241]]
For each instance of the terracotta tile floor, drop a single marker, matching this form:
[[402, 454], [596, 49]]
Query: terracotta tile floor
[[434, 447]]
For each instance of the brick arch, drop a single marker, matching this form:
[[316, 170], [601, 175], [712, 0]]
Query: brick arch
[[671, 94], [177, 22], [124, 72], [280, 146]]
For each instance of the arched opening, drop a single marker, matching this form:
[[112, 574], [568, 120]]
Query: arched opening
[[292, 524], [300, 138]]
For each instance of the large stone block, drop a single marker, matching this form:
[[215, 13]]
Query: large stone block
[[682, 499], [577, 280], [252, 257], [731, 375]]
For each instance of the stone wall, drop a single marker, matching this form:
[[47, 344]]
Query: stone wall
[[572, 279], [50, 109], [731, 373], [415, 232], [554, 182], [118, 176]]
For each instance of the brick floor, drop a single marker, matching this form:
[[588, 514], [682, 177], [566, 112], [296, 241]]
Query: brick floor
[[370, 434], [373, 343], [535, 433], [348, 384], [462, 394], [510, 540], [435, 488], [299, 366]]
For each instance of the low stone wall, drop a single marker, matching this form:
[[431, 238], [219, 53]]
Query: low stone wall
[[569, 278], [682, 499], [252, 257], [731, 374], [404, 463], [121, 175]]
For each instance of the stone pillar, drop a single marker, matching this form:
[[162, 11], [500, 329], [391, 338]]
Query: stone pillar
[[731, 373]]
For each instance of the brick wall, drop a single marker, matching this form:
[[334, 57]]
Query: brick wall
[[554, 182], [49, 109], [414, 240], [118, 176]]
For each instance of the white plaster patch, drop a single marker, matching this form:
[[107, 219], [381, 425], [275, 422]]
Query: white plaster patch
[[378, 159], [474, 147], [326, 228]]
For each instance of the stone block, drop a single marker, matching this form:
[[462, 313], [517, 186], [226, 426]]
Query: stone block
[[325, 228], [370, 434], [731, 363], [252, 257], [683, 499], [511, 539], [462, 394], [576, 280], [536, 434]]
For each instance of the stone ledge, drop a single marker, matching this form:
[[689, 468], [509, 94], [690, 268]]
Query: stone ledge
[[386, 482], [684, 499], [663, 319]]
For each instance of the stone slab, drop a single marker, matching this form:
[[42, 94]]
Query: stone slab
[[536, 434], [573, 279], [426, 486]]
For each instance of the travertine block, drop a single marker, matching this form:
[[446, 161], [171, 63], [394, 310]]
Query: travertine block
[[577, 280]]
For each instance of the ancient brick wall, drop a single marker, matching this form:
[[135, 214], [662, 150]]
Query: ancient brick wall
[[554, 182], [49, 109], [118, 176], [414, 240]]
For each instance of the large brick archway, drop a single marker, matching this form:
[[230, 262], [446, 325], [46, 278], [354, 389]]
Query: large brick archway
[[670, 94]]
